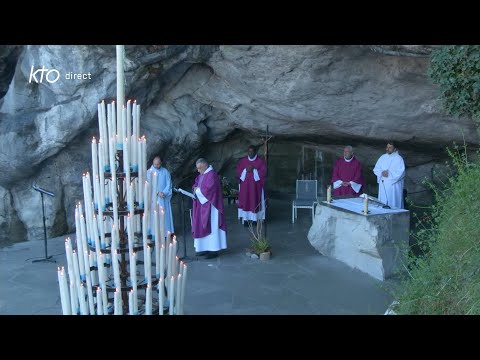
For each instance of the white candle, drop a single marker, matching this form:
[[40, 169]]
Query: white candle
[[96, 193], [130, 237], [129, 121], [99, 301], [141, 175], [177, 261], [68, 251], [73, 298], [154, 189], [104, 136], [101, 270], [171, 295], [158, 244], [178, 295], [134, 150], [85, 191], [91, 304], [104, 287], [329, 193], [96, 237], [131, 206], [174, 256], [365, 205], [115, 258], [145, 244], [148, 267], [126, 162], [160, 296], [95, 166], [117, 302], [120, 84], [83, 228], [111, 126], [138, 119], [180, 286], [84, 245], [130, 303], [87, 199], [64, 297], [99, 116], [102, 169], [184, 281], [133, 280], [113, 186], [76, 279], [93, 274], [123, 134], [134, 116], [101, 227], [80, 229], [84, 248], [144, 153], [162, 223], [146, 199], [118, 123], [83, 303], [148, 300], [111, 155], [162, 261], [169, 262]]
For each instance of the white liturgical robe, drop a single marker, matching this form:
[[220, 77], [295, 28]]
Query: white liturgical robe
[[164, 184], [390, 188]]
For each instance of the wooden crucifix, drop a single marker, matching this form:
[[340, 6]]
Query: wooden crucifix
[[265, 140]]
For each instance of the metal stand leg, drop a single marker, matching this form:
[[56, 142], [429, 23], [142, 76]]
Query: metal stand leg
[[47, 258]]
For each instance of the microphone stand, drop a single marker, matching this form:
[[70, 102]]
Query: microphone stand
[[47, 258], [184, 258], [386, 196]]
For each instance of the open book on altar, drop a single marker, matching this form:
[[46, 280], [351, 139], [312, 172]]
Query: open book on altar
[[184, 192]]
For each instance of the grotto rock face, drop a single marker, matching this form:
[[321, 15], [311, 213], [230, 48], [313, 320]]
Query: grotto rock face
[[214, 101]]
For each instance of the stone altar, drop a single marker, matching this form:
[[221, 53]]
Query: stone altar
[[376, 243]]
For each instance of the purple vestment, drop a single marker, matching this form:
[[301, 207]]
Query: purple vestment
[[347, 171], [211, 188], [250, 193]]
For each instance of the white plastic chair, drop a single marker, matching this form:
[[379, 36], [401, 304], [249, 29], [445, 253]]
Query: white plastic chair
[[305, 198]]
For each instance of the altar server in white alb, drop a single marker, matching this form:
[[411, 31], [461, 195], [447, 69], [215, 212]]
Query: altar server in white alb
[[390, 171], [163, 191]]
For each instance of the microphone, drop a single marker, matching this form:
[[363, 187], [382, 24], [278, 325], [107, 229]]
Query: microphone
[[386, 197], [43, 191]]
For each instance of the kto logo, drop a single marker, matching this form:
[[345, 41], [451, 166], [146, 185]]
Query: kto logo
[[51, 76]]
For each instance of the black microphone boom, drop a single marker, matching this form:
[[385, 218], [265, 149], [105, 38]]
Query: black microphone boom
[[386, 197], [43, 191]]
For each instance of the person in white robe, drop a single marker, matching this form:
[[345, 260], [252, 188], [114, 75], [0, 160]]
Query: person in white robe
[[163, 193], [390, 172]]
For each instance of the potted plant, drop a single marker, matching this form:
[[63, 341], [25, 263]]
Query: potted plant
[[260, 245]]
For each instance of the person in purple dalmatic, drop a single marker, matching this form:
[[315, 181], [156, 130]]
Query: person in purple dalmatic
[[209, 228], [251, 171], [347, 178]]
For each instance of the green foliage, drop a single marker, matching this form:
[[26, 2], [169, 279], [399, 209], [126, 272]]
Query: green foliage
[[228, 188], [259, 242], [260, 246], [457, 70], [445, 279]]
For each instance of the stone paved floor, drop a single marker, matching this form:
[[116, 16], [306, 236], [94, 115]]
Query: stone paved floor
[[297, 279]]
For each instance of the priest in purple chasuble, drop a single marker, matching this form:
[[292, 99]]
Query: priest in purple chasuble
[[251, 171], [347, 178], [208, 218]]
